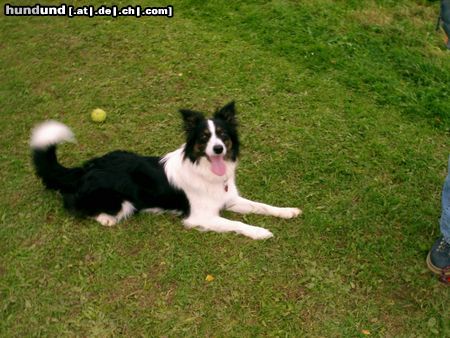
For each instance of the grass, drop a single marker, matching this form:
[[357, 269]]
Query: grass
[[344, 112]]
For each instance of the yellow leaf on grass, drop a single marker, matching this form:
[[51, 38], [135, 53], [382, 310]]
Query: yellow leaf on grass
[[366, 332], [209, 278]]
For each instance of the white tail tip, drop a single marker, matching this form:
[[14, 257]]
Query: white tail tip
[[50, 133]]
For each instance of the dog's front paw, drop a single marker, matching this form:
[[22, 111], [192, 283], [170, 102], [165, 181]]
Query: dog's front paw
[[258, 233], [188, 224], [289, 212], [106, 220]]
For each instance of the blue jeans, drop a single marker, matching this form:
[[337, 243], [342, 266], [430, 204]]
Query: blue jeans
[[445, 216]]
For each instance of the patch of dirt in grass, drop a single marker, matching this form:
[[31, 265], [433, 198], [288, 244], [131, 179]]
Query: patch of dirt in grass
[[312, 313], [37, 240], [373, 16], [132, 288], [379, 16], [418, 15], [146, 290], [294, 293]]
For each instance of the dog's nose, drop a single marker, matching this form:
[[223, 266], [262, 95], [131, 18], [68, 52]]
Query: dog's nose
[[218, 149]]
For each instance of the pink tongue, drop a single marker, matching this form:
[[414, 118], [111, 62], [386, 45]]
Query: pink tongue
[[218, 165]]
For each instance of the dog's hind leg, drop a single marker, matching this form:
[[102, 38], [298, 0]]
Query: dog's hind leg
[[245, 206], [105, 205], [220, 224], [106, 220], [109, 220]]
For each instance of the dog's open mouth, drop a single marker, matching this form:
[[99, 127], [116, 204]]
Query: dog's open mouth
[[218, 166]]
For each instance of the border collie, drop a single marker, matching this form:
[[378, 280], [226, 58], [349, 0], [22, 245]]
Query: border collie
[[196, 181]]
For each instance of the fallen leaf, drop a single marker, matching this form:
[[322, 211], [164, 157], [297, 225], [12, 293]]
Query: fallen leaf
[[209, 278]]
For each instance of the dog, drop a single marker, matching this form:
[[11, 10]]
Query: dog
[[196, 181]]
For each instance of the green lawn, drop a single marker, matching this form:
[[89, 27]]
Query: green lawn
[[344, 112]]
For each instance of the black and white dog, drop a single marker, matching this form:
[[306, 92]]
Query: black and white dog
[[197, 180]]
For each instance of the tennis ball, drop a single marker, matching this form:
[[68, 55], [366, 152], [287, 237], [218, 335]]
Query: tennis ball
[[98, 115]]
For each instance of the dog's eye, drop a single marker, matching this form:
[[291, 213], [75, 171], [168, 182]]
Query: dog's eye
[[220, 133], [204, 137]]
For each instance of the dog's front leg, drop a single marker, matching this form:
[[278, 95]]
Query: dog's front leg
[[245, 206], [220, 224]]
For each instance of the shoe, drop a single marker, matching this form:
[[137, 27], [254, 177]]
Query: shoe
[[438, 259]]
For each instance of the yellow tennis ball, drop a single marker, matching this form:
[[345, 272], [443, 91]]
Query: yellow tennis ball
[[98, 115]]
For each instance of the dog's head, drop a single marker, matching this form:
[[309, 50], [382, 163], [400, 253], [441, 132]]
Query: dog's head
[[215, 139]]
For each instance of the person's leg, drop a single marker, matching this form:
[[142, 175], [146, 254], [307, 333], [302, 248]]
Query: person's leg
[[438, 259], [445, 215], [444, 21]]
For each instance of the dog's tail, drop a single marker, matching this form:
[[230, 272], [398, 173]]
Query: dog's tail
[[44, 139]]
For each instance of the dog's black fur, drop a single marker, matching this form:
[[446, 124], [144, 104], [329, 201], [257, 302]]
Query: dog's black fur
[[103, 183]]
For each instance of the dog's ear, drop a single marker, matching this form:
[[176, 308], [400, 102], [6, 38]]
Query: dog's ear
[[191, 118], [227, 113]]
